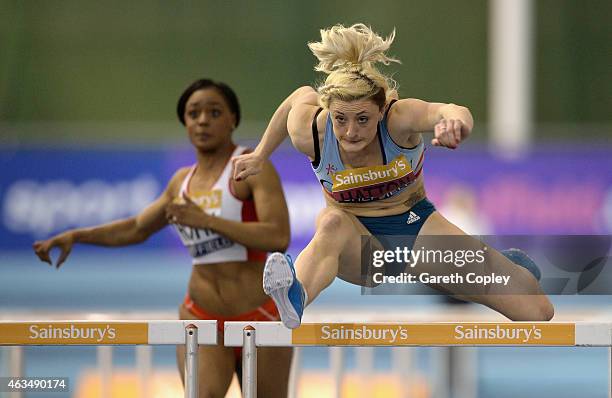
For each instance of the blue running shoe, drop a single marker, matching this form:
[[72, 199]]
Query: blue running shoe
[[519, 257], [280, 283]]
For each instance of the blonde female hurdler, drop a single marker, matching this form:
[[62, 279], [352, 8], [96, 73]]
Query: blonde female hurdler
[[366, 150]]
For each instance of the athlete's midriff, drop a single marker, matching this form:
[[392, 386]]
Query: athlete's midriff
[[229, 289], [398, 203]]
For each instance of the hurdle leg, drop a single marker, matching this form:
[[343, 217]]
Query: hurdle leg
[[191, 361], [16, 366], [294, 375], [336, 363], [249, 363], [463, 372], [144, 364], [105, 369], [402, 365], [365, 370], [440, 372]]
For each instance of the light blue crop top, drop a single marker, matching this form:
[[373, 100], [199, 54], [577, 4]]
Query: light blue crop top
[[401, 166]]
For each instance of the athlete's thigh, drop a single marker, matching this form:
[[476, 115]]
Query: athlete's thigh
[[436, 224], [350, 268], [521, 298], [274, 365], [216, 365], [440, 234]]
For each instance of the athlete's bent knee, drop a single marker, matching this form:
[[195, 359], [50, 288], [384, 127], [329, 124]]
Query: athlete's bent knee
[[330, 220], [547, 311], [539, 309]]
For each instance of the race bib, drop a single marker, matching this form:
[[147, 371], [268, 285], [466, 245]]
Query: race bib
[[369, 183], [202, 241]]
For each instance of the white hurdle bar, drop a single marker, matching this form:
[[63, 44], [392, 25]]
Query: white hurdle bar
[[251, 335], [192, 333]]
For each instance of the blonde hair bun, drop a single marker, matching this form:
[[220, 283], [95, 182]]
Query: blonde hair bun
[[354, 47], [348, 56]]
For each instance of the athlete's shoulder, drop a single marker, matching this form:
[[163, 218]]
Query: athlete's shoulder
[[306, 96], [301, 116], [176, 180], [181, 173], [299, 125], [403, 106], [407, 116], [303, 109]]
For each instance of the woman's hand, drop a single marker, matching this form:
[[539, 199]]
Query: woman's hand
[[187, 213], [63, 241], [246, 165], [449, 133]]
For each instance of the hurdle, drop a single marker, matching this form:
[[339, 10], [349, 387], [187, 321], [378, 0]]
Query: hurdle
[[251, 335], [192, 333]]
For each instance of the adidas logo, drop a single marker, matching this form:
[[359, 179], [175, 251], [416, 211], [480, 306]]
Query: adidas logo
[[412, 218]]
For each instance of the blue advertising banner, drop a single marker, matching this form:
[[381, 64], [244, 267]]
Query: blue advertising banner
[[43, 192], [550, 191]]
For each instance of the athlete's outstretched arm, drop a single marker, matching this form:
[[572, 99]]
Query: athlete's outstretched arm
[[124, 232], [276, 132], [450, 123], [269, 233]]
